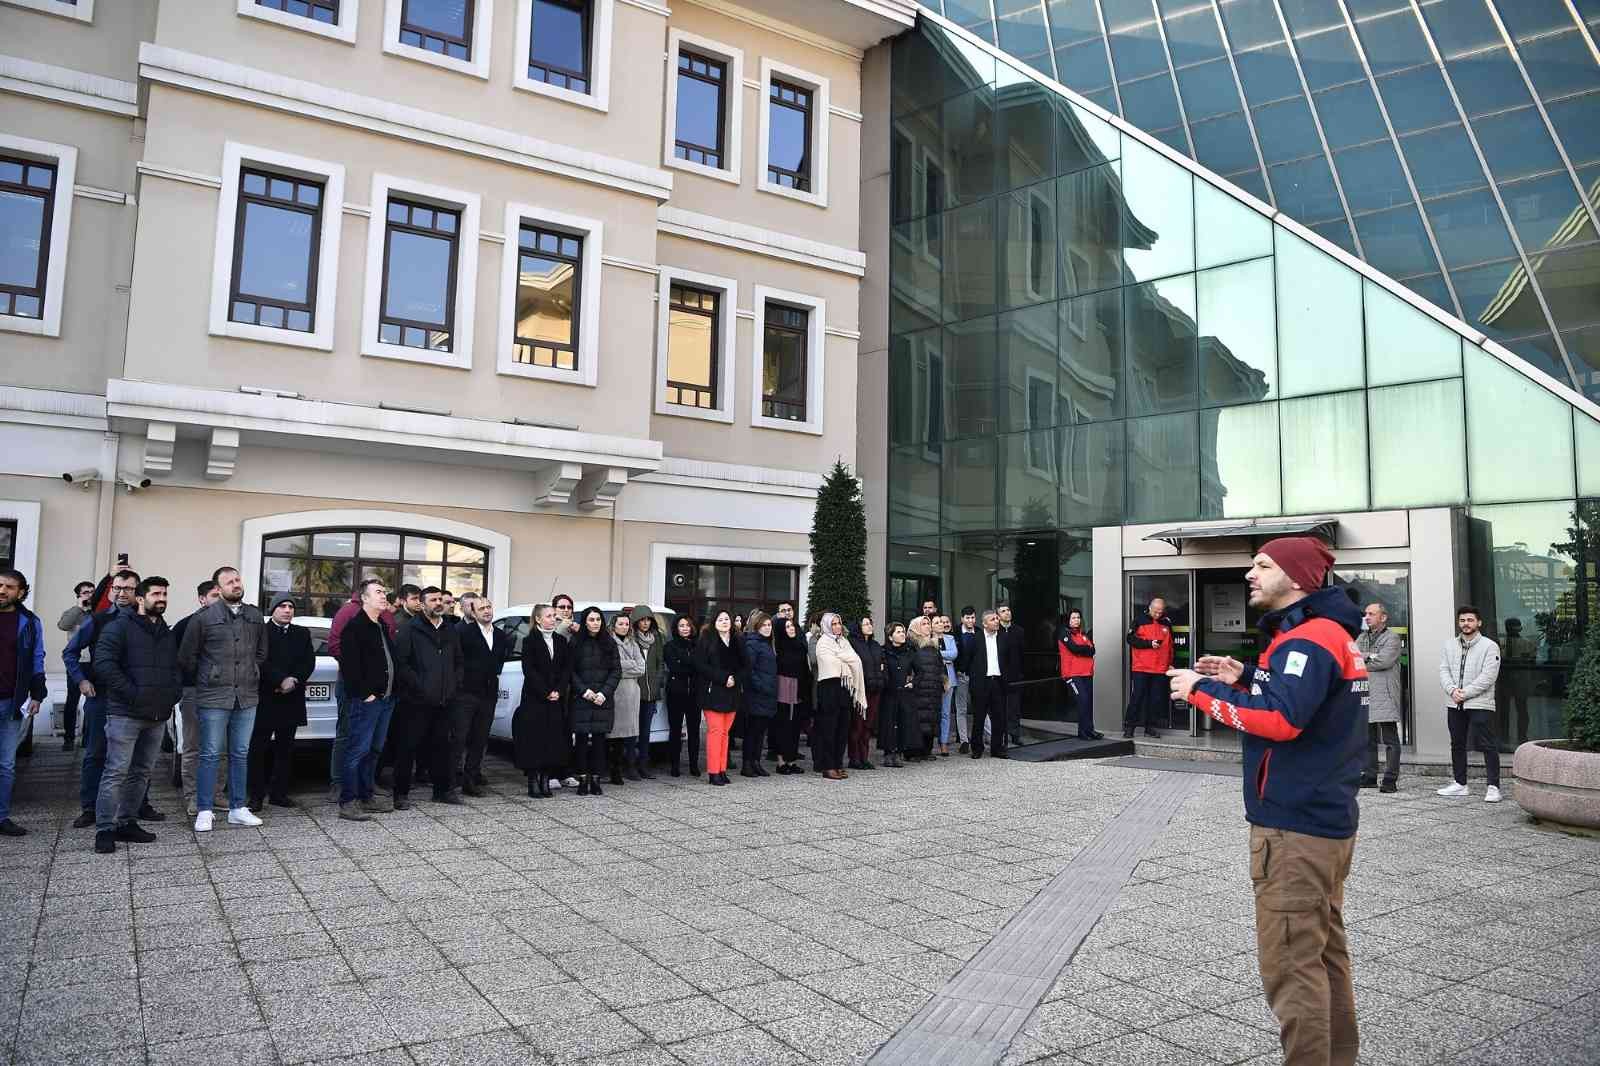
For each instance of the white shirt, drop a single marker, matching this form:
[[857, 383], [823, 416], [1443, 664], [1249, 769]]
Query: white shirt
[[549, 636], [488, 634], [992, 643]]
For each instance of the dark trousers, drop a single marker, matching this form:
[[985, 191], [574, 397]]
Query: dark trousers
[[69, 714], [589, 753], [1014, 713], [755, 735], [1476, 727], [785, 733], [1082, 689], [987, 698], [473, 717], [683, 714], [1387, 734], [862, 730], [1145, 695], [420, 733], [830, 726], [271, 743]]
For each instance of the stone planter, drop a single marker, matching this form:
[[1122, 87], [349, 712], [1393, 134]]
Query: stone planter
[[1558, 785]]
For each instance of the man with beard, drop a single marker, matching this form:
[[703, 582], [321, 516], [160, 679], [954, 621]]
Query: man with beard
[[428, 667], [21, 683], [223, 649]]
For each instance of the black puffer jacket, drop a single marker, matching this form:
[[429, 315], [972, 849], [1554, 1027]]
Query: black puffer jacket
[[136, 662], [872, 659], [715, 662], [927, 687], [678, 661], [897, 712], [596, 666], [427, 662], [761, 691]]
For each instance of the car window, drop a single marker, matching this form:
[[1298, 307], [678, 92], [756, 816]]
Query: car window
[[518, 628], [319, 645]]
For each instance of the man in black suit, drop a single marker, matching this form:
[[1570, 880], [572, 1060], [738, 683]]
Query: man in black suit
[[282, 709], [484, 651], [541, 731], [986, 679], [1011, 671], [427, 664]]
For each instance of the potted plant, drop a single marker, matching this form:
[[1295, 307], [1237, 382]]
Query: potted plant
[[1559, 780]]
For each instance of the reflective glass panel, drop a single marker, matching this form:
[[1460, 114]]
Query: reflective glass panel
[[1286, 130], [1028, 485], [1224, 144], [1268, 74], [970, 373], [275, 257], [21, 236], [1325, 453], [1227, 231], [1136, 51], [1575, 125], [1028, 248], [1403, 344], [1417, 99], [1350, 115], [1027, 369], [929, 67], [1372, 177], [1151, 104], [418, 279], [914, 492], [970, 469], [1588, 438], [1516, 144], [1027, 127], [915, 280], [1570, 281], [1208, 90], [1319, 320], [1084, 68], [1442, 161], [1090, 465], [1159, 239], [1192, 36], [1239, 476], [1090, 331], [1082, 140], [969, 261], [1305, 190], [1410, 422], [1160, 339], [1163, 477], [1545, 211], [1238, 333], [1519, 437], [1090, 229], [1560, 65], [1469, 228], [1329, 58], [557, 37], [916, 387], [1461, 26], [1395, 242], [969, 132], [1487, 82], [1251, 22], [1393, 42]]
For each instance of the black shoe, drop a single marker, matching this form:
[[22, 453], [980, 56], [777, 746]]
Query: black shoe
[[746, 771], [976, 754], [1097, 736], [1388, 786], [616, 775], [471, 789], [867, 765], [452, 798], [131, 833], [480, 780], [105, 842], [644, 772], [423, 777], [694, 769], [282, 801], [965, 748], [852, 765], [150, 814], [1152, 733], [675, 771], [1000, 755], [720, 779], [594, 787], [401, 803], [535, 791], [583, 785], [8, 828], [762, 771], [67, 744], [1369, 782], [257, 806], [85, 819]]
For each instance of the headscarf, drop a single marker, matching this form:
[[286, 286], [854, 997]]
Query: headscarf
[[851, 673]]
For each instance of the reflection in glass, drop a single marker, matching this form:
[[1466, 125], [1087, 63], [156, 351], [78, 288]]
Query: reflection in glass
[[1089, 464], [1227, 231], [1519, 437], [970, 371], [915, 279], [1587, 435], [1419, 448], [970, 469], [1027, 120], [1082, 140], [969, 131], [1028, 484], [1028, 252], [1237, 333], [1090, 332], [1224, 145], [1163, 477], [916, 387], [1027, 368], [1090, 230], [1160, 341], [1325, 453], [1403, 344], [1239, 462], [1319, 319], [1395, 242], [418, 283], [275, 254], [969, 261], [1160, 202], [913, 492]]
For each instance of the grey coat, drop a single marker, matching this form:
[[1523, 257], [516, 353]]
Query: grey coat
[[632, 658], [1381, 650], [223, 652]]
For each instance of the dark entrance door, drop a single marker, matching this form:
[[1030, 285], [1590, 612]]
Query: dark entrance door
[[698, 588], [1172, 586]]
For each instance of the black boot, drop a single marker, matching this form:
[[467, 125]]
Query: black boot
[[643, 765], [544, 787], [594, 786], [614, 758], [583, 785], [630, 767], [535, 786]]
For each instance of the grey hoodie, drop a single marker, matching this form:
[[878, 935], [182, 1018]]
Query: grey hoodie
[[1471, 666]]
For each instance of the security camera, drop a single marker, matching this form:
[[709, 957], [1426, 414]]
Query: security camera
[[81, 478], [131, 482]]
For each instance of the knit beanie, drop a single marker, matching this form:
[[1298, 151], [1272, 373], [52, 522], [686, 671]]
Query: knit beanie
[[1305, 559]]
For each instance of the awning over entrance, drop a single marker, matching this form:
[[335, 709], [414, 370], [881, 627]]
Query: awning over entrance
[[1257, 531]]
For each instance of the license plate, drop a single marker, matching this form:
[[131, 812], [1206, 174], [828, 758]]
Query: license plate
[[319, 691]]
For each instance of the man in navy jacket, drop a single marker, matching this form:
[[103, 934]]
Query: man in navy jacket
[[21, 683], [1303, 713]]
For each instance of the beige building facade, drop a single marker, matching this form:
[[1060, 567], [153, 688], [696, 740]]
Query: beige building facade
[[522, 295]]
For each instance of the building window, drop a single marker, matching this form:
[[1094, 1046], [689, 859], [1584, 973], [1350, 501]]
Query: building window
[[699, 589], [1040, 417], [794, 133], [692, 329], [419, 276], [276, 234], [8, 544], [79, 10], [558, 44], [326, 18], [321, 568], [704, 107], [323, 11], [548, 292], [783, 363], [27, 208], [454, 34]]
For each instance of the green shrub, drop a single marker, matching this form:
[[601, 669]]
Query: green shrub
[[1583, 696]]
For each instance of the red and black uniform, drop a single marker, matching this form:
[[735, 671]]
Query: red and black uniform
[[1147, 687], [1076, 652]]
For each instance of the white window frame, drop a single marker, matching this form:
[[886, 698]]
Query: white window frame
[[599, 95], [470, 205], [734, 134], [1036, 202], [64, 158], [235, 157], [82, 11], [482, 40], [818, 196], [592, 230], [727, 327], [1030, 376], [816, 327], [343, 30]]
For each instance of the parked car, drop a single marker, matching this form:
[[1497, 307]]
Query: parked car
[[322, 712], [515, 621]]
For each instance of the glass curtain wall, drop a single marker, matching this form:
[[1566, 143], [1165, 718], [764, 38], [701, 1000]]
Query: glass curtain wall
[[1450, 143], [1086, 332]]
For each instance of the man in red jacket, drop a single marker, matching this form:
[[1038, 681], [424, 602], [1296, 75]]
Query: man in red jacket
[[1150, 637]]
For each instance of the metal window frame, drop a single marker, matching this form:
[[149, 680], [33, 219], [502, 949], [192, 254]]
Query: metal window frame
[[720, 149], [712, 350], [357, 559], [281, 6], [454, 237], [46, 224], [768, 402], [586, 75], [465, 40], [575, 322], [235, 295], [801, 178]]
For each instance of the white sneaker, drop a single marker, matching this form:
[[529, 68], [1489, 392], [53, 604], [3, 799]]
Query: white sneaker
[[202, 822], [1454, 789], [242, 816], [571, 782], [1492, 794], [554, 782]]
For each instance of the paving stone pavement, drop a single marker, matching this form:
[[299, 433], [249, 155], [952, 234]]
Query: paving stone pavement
[[786, 920]]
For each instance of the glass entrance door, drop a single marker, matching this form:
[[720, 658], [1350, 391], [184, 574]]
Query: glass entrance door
[[1174, 588], [1225, 625]]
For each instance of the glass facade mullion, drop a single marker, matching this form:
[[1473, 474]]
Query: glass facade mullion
[[1166, 51], [1244, 103], [1105, 39], [1494, 190]]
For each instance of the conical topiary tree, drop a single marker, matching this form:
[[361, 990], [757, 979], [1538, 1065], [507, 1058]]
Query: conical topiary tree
[[1583, 696], [839, 548]]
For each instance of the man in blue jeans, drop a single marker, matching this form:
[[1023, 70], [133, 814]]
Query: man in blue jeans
[[21, 683], [223, 650], [80, 675], [366, 665]]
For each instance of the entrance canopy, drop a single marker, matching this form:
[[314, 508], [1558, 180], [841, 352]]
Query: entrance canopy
[[1258, 531]]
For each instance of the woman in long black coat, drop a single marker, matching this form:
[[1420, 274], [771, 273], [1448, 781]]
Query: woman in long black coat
[[897, 712], [541, 729], [596, 673], [723, 670], [927, 687], [281, 710], [680, 683], [794, 691], [864, 727]]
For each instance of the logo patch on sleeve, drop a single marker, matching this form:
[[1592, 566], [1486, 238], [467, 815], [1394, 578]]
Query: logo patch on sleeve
[[1296, 664]]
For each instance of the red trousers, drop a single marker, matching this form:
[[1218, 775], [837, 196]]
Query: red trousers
[[718, 725]]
